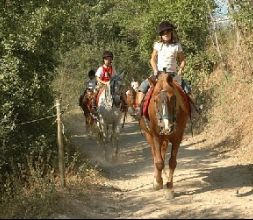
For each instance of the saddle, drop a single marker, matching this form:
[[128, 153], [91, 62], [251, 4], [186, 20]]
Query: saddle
[[98, 94], [146, 101]]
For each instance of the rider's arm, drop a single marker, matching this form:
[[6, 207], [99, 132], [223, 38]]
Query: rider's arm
[[98, 75], [100, 81], [181, 60], [153, 61]]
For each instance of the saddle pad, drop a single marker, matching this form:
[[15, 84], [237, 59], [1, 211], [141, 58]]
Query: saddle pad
[[98, 95], [146, 102]]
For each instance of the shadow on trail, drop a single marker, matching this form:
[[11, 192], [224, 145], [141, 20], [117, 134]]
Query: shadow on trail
[[135, 158], [215, 181], [133, 152], [198, 172], [134, 155], [226, 178]]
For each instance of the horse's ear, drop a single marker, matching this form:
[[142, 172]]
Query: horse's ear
[[122, 74]]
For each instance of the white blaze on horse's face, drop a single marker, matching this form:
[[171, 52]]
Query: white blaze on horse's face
[[165, 116]]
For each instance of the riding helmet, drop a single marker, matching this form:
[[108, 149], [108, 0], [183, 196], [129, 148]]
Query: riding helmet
[[91, 73], [165, 26], [107, 54]]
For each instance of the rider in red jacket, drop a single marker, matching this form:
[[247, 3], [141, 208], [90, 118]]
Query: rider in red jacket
[[104, 73]]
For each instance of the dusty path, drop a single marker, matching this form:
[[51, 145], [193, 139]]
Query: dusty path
[[206, 185]]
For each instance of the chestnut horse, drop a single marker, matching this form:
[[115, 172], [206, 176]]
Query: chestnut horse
[[165, 121], [130, 96], [85, 102]]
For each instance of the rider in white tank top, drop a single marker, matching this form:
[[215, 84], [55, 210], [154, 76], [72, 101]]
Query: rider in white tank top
[[167, 55]]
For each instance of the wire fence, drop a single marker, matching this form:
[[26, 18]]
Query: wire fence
[[60, 132]]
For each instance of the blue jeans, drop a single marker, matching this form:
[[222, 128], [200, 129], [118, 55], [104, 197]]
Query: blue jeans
[[144, 86]]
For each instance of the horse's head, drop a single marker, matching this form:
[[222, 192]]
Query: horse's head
[[164, 82], [117, 87], [135, 85], [89, 93], [131, 93], [85, 100], [168, 98]]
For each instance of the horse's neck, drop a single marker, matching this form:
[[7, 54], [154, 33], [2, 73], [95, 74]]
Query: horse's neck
[[134, 93], [130, 97], [106, 95], [163, 86]]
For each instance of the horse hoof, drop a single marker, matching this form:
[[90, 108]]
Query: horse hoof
[[157, 186], [169, 194]]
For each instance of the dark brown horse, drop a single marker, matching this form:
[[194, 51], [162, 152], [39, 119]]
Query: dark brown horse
[[165, 121], [85, 102]]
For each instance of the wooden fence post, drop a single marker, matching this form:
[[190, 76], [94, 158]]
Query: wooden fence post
[[60, 144]]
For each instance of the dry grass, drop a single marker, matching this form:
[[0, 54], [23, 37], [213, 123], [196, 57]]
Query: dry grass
[[229, 111], [226, 124], [42, 197]]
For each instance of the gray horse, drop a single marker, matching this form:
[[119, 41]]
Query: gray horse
[[109, 116]]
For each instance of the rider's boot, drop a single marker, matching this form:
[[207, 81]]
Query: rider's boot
[[187, 89], [194, 104]]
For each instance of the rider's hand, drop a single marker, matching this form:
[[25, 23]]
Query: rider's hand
[[178, 78], [153, 77], [180, 72], [155, 72]]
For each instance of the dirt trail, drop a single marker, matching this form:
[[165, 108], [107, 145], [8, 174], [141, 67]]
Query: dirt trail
[[206, 184]]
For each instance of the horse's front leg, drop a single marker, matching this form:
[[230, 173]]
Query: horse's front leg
[[158, 161], [87, 126], [103, 135], [115, 140], [164, 147], [172, 167]]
